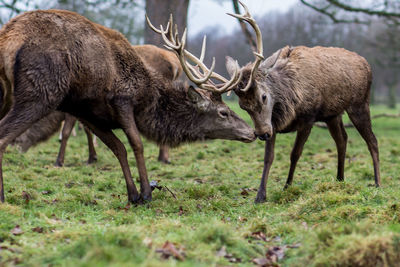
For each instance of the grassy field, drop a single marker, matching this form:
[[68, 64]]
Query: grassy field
[[78, 215]]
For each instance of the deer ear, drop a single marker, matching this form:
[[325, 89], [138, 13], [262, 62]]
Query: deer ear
[[271, 61], [231, 65], [200, 102]]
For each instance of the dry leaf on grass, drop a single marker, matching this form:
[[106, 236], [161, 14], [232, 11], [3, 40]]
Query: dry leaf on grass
[[169, 249], [17, 230], [223, 253]]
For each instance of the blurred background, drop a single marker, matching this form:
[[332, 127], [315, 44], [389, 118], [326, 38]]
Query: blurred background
[[370, 28]]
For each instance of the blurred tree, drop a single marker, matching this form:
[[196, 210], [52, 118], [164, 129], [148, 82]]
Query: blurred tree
[[159, 11], [347, 11]]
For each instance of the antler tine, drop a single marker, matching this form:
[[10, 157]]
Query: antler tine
[[200, 78], [259, 53], [152, 26], [169, 43]]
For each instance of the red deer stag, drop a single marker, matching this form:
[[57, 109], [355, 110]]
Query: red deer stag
[[164, 62], [58, 60], [293, 89]]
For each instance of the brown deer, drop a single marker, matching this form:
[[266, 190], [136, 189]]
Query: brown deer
[[58, 60], [164, 62], [291, 90]]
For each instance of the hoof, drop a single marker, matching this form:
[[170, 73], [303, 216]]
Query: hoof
[[91, 160], [58, 164], [261, 198], [286, 186], [340, 179], [145, 197], [134, 198], [165, 161]]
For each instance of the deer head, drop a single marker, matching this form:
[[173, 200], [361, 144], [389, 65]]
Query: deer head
[[247, 82]]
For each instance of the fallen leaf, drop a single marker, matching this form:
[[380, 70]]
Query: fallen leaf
[[26, 197], [242, 219], [181, 211], [276, 253], [262, 262], [169, 249], [38, 229], [259, 235], [148, 242], [223, 253], [244, 192], [46, 192], [17, 230]]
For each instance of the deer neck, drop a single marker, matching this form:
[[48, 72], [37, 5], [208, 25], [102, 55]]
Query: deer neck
[[172, 119]]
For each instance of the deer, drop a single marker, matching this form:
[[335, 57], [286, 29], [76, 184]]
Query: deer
[[290, 91], [160, 60], [59, 60]]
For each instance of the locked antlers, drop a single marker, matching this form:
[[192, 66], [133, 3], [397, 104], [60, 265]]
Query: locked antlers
[[199, 73]]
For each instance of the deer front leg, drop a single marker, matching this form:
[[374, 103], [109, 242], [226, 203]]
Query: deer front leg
[[116, 146], [268, 159], [128, 125], [136, 143], [301, 138]]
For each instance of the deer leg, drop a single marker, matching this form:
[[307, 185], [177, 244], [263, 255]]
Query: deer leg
[[268, 159], [163, 156], [127, 121], [338, 133], [360, 117], [301, 138], [17, 121], [118, 148], [136, 143], [69, 123], [92, 151]]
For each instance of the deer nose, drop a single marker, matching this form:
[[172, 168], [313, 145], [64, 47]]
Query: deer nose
[[263, 137]]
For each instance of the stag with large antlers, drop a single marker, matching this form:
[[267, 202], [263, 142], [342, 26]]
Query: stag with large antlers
[[58, 60], [290, 91]]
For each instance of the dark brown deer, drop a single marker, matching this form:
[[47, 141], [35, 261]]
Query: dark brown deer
[[164, 62], [58, 60], [293, 89]]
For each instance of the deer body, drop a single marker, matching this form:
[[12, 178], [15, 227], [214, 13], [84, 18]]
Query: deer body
[[305, 85], [59, 60]]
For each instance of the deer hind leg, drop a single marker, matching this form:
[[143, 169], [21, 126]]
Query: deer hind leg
[[163, 155], [360, 117], [17, 120], [92, 152], [301, 138], [69, 123], [338, 133]]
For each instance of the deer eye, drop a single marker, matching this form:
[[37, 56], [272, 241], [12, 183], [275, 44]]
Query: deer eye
[[264, 96], [223, 114]]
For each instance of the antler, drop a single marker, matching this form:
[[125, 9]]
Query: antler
[[201, 78], [259, 54]]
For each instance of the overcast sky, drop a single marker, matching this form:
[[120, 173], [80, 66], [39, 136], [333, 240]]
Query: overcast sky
[[206, 13]]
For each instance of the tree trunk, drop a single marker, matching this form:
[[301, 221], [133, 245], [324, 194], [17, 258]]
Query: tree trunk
[[158, 12]]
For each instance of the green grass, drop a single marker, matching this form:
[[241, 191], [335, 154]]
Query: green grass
[[85, 221]]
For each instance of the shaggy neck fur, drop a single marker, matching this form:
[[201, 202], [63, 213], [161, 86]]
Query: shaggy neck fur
[[281, 81], [171, 119]]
